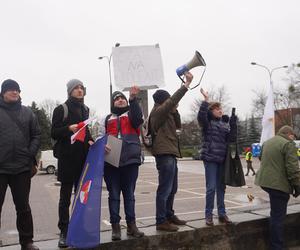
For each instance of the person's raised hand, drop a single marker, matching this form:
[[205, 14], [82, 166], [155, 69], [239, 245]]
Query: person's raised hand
[[204, 93], [188, 79], [133, 92]]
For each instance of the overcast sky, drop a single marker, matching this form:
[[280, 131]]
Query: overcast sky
[[44, 43]]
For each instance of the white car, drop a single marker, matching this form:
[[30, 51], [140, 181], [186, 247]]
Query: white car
[[48, 162]]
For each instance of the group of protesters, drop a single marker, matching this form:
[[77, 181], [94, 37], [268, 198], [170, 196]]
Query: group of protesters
[[20, 139]]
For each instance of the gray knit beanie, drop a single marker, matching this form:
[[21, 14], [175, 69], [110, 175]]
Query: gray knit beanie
[[72, 84]]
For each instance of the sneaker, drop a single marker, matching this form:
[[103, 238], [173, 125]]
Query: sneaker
[[167, 226], [224, 219], [175, 220], [209, 221]]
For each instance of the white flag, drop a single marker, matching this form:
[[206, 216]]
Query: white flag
[[268, 129]]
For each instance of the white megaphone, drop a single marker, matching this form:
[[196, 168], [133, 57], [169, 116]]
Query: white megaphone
[[196, 61]]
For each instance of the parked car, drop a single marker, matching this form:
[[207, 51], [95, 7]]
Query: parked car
[[48, 162]]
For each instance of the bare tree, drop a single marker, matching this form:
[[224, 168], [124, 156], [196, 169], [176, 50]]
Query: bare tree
[[49, 105], [258, 103], [219, 94]]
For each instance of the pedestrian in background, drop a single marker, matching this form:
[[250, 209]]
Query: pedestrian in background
[[19, 143], [248, 159], [71, 157]]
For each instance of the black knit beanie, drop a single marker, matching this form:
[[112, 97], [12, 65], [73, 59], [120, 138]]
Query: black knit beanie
[[160, 96], [9, 85]]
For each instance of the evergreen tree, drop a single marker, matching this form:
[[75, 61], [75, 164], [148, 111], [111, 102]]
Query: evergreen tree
[[242, 134], [253, 131], [45, 126]]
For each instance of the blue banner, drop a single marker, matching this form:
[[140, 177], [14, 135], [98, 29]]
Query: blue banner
[[84, 226]]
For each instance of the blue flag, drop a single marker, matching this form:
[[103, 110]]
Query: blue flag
[[84, 226]]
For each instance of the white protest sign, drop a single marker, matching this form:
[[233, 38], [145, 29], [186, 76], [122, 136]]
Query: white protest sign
[[139, 65]]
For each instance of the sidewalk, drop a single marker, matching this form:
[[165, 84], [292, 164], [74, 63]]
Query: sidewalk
[[253, 222], [189, 204]]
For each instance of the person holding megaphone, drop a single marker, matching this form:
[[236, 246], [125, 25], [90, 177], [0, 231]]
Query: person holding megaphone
[[165, 120]]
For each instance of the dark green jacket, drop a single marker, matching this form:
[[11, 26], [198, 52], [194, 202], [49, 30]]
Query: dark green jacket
[[279, 168], [164, 124]]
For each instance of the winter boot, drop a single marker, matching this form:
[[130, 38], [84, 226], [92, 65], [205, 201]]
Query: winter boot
[[116, 231], [132, 230], [62, 242]]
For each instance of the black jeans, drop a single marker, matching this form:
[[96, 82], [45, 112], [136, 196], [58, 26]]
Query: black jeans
[[64, 204], [278, 203], [20, 187]]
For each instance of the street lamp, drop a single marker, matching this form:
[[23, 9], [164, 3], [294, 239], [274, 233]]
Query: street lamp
[[269, 71], [108, 58]]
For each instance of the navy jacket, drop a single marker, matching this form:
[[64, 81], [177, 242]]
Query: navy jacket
[[126, 126], [217, 133]]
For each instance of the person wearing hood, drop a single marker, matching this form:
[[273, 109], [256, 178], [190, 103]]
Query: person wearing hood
[[164, 122], [19, 143], [71, 157], [217, 131], [123, 123], [279, 176]]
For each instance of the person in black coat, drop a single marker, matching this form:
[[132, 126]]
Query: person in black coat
[[19, 143], [71, 157]]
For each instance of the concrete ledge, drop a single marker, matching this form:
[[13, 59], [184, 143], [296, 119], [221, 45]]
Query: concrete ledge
[[249, 231]]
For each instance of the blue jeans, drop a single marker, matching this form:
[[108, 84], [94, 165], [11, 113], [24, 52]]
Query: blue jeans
[[167, 186], [117, 180], [214, 183], [278, 203]]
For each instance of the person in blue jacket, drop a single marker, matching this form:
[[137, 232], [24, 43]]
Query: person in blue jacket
[[217, 131]]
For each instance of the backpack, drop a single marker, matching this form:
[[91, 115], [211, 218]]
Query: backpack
[[147, 134], [55, 143]]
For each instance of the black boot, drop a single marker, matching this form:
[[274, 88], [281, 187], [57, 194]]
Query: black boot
[[62, 242], [132, 230], [116, 231], [29, 246]]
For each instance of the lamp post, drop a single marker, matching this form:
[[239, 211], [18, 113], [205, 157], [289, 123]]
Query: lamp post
[[108, 58], [270, 71]]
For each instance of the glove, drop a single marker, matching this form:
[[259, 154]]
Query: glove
[[296, 191], [225, 118]]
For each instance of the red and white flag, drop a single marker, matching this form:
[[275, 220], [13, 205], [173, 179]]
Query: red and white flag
[[81, 133]]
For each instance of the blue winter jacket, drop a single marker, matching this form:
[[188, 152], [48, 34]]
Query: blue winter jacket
[[217, 133]]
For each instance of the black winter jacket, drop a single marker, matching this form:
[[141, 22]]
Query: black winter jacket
[[71, 157], [17, 152], [217, 133]]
